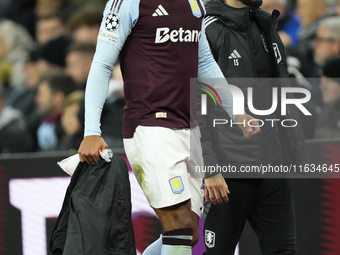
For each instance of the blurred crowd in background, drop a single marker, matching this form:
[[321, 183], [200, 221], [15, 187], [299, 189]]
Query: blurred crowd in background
[[46, 50]]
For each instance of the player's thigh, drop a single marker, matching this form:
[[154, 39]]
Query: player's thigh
[[273, 218], [158, 157]]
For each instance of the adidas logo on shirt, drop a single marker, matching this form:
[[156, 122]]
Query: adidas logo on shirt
[[160, 11], [235, 56]]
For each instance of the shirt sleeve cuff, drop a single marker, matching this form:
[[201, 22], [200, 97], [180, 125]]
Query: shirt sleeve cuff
[[92, 133]]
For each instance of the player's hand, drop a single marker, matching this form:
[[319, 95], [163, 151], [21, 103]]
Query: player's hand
[[248, 131], [216, 189], [90, 147]]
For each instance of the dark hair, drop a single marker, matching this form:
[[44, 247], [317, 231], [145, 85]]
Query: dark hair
[[54, 51], [83, 48], [331, 68], [59, 82], [87, 16]]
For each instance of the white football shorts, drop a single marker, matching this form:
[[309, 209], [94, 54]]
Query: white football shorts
[[161, 160]]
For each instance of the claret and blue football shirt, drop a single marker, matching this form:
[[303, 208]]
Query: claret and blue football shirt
[[160, 45]]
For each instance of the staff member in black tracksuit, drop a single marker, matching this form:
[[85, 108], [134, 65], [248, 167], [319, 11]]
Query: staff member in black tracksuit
[[244, 44]]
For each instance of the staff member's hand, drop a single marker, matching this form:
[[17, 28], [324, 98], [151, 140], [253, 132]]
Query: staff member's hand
[[216, 189], [248, 131], [90, 147]]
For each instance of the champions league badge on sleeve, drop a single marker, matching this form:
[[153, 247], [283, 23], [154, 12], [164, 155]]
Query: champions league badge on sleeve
[[196, 11], [112, 22], [176, 185]]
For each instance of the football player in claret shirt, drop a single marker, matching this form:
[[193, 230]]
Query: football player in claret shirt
[[160, 45]]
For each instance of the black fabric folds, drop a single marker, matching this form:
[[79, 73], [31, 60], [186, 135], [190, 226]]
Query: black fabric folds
[[95, 218]]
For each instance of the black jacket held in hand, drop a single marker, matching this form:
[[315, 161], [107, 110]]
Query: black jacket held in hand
[[95, 218], [250, 54]]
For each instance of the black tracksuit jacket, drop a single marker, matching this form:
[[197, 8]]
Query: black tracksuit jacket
[[95, 218], [245, 46]]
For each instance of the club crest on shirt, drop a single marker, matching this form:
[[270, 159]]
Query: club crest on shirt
[[196, 11], [176, 185]]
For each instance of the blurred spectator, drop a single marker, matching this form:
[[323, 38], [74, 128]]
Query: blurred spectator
[[13, 134], [72, 121], [288, 24], [51, 56], [78, 61], [326, 46], [49, 27], [308, 121], [21, 12], [46, 7], [98, 3], [31, 70], [22, 98], [311, 12], [15, 43], [5, 70], [85, 24], [327, 41], [52, 91], [328, 123]]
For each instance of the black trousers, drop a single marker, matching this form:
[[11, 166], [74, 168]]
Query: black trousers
[[268, 206]]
